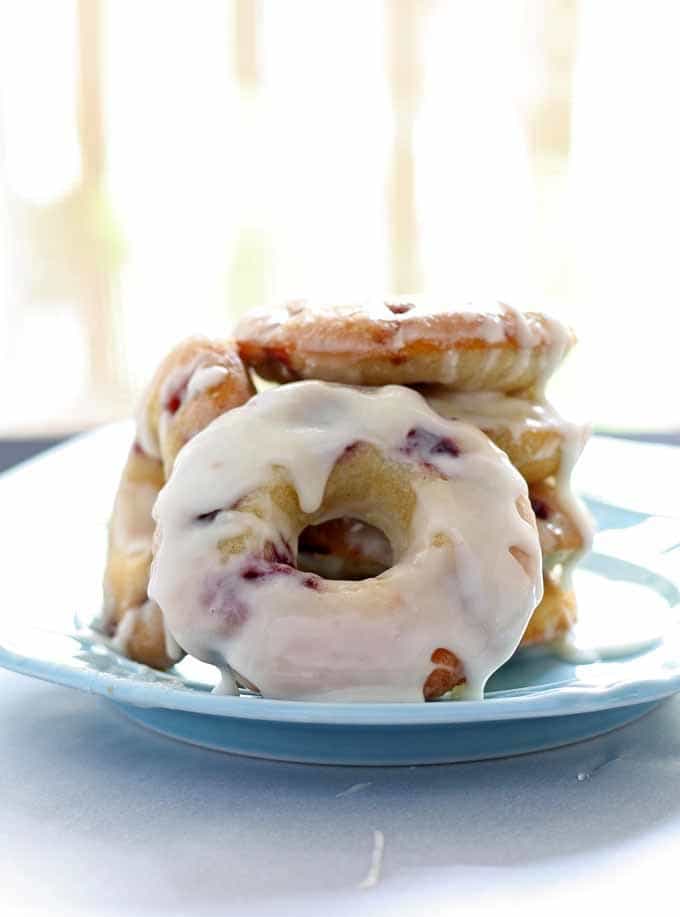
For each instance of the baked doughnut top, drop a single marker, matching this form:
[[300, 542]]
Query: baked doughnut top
[[404, 340]]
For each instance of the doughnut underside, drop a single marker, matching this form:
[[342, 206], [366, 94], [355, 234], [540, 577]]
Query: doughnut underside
[[418, 363]]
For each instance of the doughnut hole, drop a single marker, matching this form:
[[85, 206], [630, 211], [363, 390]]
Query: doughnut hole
[[364, 488], [375, 501], [344, 549]]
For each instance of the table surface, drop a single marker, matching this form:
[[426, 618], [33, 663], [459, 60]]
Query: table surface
[[102, 817]]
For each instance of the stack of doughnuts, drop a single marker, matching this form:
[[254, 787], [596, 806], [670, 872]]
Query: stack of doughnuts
[[387, 523], [487, 366]]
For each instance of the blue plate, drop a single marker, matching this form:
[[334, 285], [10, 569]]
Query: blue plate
[[53, 535]]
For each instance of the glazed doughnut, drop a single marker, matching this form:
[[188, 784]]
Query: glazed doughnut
[[544, 447], [450, 610], [532, 433], [196, 382], [400, 340]]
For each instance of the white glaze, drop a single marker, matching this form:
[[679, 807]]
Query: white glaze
[[368, 640], [613, 627], [485, 321], [187, 380], [572, 447], [489, 410], [205, 378], [522, 329]]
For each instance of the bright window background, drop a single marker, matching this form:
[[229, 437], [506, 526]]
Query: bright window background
[[167, 164]]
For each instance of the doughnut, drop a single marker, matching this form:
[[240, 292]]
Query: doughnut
[[466, 572], [544, 447], [196, 382], [344, 549], [133, 622], [404, 341], [531, 433]]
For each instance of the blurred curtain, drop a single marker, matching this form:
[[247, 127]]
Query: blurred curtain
[[166, 164]]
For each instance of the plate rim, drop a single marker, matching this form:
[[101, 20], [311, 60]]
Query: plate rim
[[556, 700], [551, 701]]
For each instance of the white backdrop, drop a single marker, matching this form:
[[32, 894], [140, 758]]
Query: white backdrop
[[166, 165]]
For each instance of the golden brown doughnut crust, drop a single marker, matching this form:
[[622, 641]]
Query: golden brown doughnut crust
[[554, 616], [403, 341], [170, 414], [558, 531], [531, 434], [129, 560], [167, 393]]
